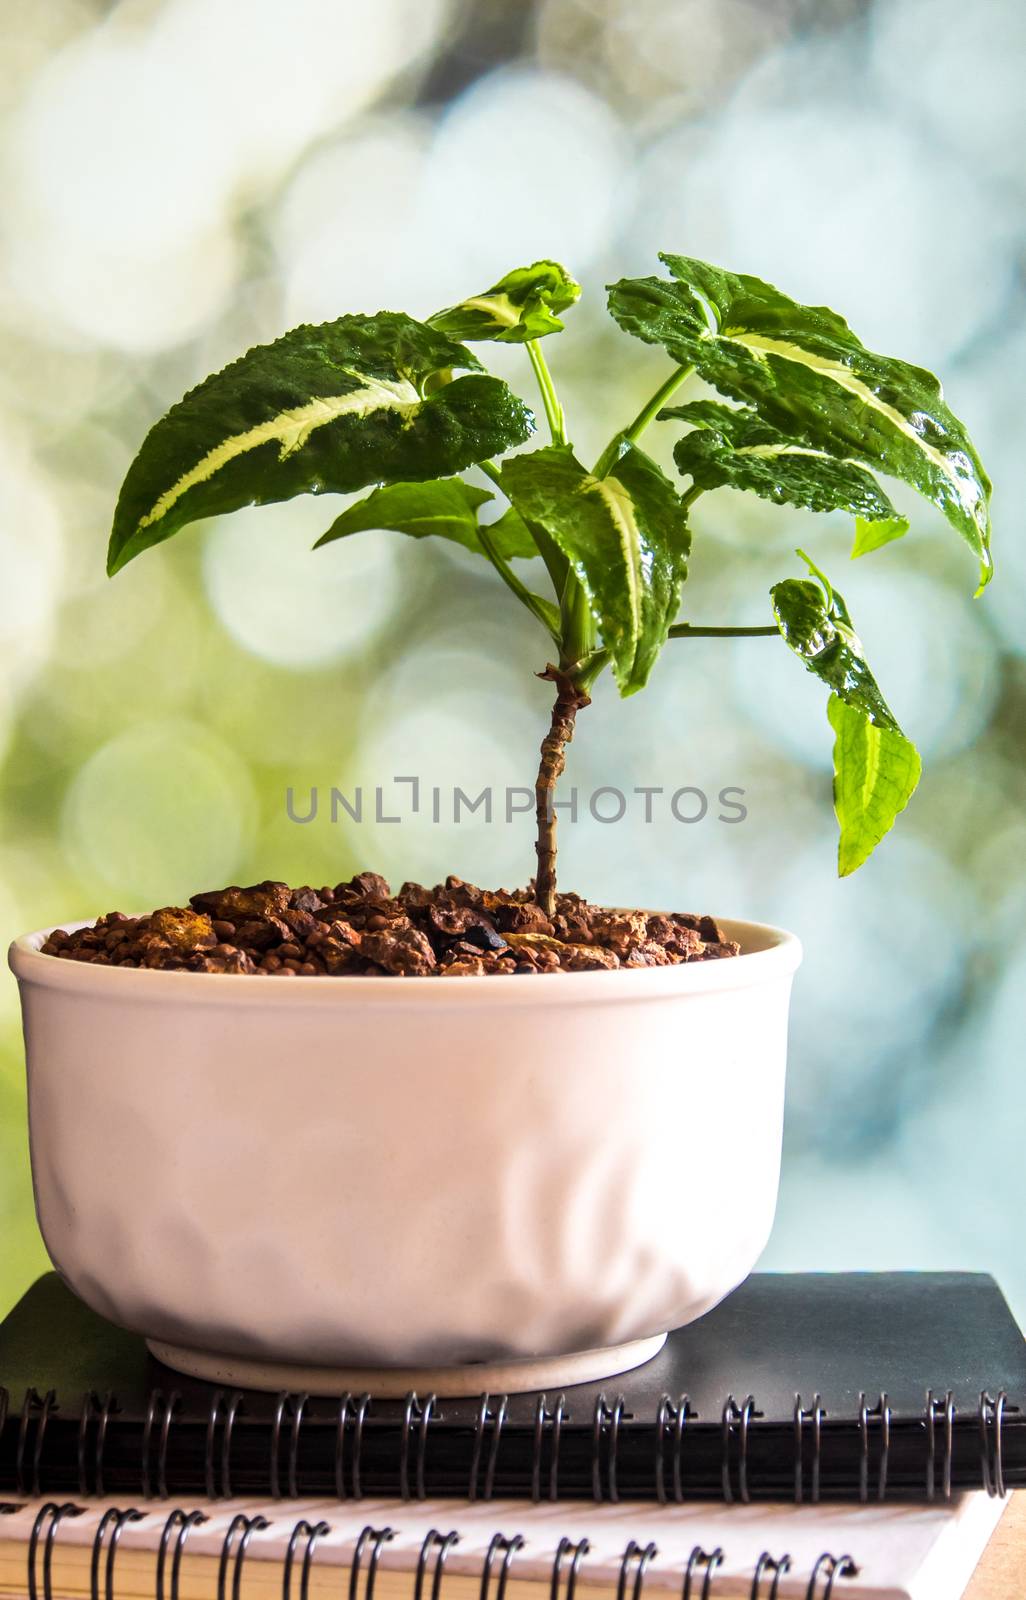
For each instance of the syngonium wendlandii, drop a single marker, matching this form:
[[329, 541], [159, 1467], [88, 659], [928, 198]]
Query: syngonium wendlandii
[[403, 405]]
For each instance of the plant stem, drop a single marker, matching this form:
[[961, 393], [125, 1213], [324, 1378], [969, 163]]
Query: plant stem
[[490, 470], [598, 661], [689, 630], [555, 416], [513, 583], [577, 626], [570, 698], [658, 400]]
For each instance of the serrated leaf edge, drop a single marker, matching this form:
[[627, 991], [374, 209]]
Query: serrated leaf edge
[[290, 429]]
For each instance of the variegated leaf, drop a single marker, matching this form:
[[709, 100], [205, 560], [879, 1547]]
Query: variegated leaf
[[805, 372], [876, 768], [626, 538], [323, 409], [521, 306], [736, 447]]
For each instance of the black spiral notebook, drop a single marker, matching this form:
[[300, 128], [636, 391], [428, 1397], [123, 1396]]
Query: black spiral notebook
[[798, 1386]]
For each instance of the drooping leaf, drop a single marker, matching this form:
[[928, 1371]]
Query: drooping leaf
[[626, 538], [871, 535], [445, 507], [805, 372], [876, 768], [521, 306], [330, 408], [876, 771], [736, 447]]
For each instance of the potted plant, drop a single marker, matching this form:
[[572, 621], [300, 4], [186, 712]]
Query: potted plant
[[491, 1184]]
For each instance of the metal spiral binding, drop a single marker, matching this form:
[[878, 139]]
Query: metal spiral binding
[[553, 1421], [295, 1405], [710, 1560], [640, 1556], [342, 1426], [739, 1417], [881, 1413], [765, 1565], [832, 1568], [93, 1408], [509, 1548], [991, 1418], [39, 1443], [168, 1407], [698, 1577], [38, 1410], [234, 1407], [497, 1421], [311, 1532], [563, 1549], [815, 1415], [117, 1520], [441, 1544], [49, 1516], [678, 1415], [606, 1426], [179, 1523], [414, 1413], [947, 1414], [247, 1527], [376, 1538]]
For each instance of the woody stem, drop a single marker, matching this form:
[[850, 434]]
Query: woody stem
[[570, 698]]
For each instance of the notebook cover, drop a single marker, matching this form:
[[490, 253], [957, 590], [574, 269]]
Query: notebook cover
[[797, 1386]]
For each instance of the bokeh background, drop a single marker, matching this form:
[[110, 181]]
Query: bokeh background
[[182, 178]]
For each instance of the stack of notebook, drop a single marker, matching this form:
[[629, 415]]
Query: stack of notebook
[[816, 1434]]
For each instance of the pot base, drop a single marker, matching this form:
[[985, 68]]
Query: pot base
[[388, 1383]]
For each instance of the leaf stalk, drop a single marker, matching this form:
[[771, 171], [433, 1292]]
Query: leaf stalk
[[656, 403], [554, 413]]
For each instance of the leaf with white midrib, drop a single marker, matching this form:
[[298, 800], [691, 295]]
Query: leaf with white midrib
[[803, 370], [520, 306], [625, 536], [322, 409], [734, 446]]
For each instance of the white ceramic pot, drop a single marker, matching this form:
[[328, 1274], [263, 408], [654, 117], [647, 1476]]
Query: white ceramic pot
[[481, 1183]]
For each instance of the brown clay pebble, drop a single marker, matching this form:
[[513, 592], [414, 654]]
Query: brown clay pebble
[[361, 929]]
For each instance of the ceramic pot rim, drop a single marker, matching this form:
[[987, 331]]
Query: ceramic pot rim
[[768, 953]]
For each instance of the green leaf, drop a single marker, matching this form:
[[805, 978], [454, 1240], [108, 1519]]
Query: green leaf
[[736, 447], [871, 535], [323, 409], [876, 771], [512, 536], [446, 508], [876, 768], [521, 306], [806, 373], [626, 538]]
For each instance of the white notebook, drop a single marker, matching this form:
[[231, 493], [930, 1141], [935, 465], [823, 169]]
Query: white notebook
[[92, 1550]]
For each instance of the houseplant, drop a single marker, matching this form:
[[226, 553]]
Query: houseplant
[[486, 1184]]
